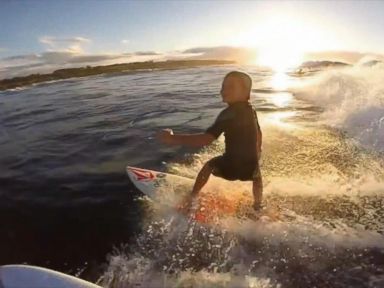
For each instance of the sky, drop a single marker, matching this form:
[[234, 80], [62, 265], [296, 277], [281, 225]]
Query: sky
[[41, 35]]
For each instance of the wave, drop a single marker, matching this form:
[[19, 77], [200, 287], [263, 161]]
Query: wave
[[330, 232], [353, 100], [175, 252]]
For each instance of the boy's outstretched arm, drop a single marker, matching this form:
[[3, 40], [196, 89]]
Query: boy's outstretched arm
[[166, 136]]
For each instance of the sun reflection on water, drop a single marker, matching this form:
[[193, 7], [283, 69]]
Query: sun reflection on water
[[280, 81], [281, 99], [280, 119]]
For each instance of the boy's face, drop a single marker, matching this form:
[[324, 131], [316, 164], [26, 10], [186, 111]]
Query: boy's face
[[233, 90]]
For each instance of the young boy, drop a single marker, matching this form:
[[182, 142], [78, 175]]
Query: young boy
[[242, 134]]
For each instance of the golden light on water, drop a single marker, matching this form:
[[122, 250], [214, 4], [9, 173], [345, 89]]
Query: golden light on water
[[280, 81], [282, 99], [279, 119]]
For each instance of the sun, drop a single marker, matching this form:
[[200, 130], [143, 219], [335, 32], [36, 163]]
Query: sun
[[279, 58], [283, 45], [281, 39]]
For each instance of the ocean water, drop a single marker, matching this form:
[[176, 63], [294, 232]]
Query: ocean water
[[66, 203]]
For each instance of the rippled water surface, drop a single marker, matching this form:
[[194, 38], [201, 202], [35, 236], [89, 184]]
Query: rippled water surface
[[65, 201]]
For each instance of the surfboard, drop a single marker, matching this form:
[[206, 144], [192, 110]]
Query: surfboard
[[166, 188], [26, 276], [170, 190]]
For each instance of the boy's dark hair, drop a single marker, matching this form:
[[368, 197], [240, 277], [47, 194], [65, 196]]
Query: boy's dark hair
[[244, 77]]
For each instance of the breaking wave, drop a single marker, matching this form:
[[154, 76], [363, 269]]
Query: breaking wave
[[353, 100]]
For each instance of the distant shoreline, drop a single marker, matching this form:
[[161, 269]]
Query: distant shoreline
[[60, 74]]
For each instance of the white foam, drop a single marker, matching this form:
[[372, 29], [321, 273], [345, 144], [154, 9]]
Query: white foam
[[353, 100], [325, 185], [121, 274]]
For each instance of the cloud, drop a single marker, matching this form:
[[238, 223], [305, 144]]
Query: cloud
[[19, 61], [3, 49], [239, 54], [344, 56], [56, 57], [125, 41], [61, 54], [247, 55], [70, 57], [69, 44], [146, 53], [47, 62], [66, 52]]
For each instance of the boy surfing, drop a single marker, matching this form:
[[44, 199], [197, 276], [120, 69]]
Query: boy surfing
[[243, 139]]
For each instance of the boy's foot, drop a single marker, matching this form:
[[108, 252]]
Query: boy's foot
[[186, 205], [258, 207]]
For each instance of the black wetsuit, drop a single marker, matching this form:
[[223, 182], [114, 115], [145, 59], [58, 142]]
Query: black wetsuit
[[239, 124]]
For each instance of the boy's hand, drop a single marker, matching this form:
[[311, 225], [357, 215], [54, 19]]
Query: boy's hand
[[165, 136]]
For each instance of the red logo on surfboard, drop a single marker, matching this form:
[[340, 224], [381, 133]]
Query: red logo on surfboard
[[143, 175]]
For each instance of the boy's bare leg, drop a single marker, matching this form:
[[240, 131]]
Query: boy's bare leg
[[201, 180], [257, 189]]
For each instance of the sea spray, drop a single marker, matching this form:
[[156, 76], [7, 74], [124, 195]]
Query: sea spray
[[353, 100]]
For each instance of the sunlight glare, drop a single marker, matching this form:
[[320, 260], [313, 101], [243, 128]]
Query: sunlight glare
[[280, 81], [281, 40], [281, 99], [279, 119]]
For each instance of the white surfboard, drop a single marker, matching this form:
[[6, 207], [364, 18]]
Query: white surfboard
[[169, 190], [26, 276], [166, 188]]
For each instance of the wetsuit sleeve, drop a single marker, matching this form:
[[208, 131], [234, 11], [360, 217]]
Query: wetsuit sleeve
[[220, 123]]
